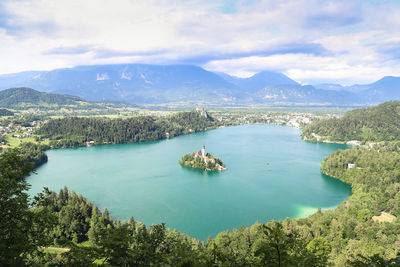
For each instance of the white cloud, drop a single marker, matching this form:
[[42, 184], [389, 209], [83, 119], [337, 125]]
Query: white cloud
[[48, 34], [307, 68]]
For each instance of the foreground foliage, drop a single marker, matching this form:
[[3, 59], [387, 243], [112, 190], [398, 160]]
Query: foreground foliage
[[22, 222]]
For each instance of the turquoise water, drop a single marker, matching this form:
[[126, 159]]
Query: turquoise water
[[145, 180]]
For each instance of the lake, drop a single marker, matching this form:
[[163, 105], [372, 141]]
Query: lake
[[272, 174]]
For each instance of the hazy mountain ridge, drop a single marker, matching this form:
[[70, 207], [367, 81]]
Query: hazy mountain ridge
[[329, 86], [135, 83], [16, 96], [259, 80], [24, 97], [385, 89], [188, 84], [275, 88]]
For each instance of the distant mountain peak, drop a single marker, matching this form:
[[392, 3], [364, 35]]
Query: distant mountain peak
[[389, 77], [269, 72], [259, 80], [273, 78]]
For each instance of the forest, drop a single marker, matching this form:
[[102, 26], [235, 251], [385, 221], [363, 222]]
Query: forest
[[76, 131], [380, 123], [34, 153]]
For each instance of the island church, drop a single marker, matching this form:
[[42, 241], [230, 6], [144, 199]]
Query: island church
[[202, 154]]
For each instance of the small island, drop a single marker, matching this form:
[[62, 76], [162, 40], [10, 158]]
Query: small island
[[202, 160]]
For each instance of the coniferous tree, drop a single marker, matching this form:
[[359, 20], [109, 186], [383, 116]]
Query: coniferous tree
[[21, 229]]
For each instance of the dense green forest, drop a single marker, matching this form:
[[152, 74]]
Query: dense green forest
[[76, 131], [34, 153], [380, 123], [375, 180]]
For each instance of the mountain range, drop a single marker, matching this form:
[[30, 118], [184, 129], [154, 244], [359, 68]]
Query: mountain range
[[187, 84]]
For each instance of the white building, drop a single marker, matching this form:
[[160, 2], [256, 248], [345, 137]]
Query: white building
[[203, 151]]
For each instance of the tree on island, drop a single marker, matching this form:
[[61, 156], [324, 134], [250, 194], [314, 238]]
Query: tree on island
[[202, 160]]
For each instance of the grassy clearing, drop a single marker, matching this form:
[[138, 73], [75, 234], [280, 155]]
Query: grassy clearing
[[59, 251], [384, 217], [85, 244], [54, 250], [15, 141]]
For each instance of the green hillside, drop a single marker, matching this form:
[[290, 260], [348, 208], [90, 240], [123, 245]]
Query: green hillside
[[380, 123], [6, 112], [27, 97]]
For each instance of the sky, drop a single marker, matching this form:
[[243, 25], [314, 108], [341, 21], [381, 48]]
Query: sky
[[311, 41]]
